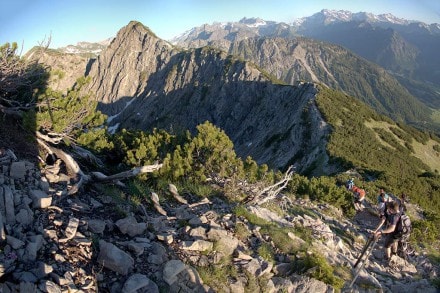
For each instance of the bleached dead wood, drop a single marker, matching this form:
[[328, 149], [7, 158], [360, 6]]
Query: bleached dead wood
[[271, 192], [71, 165], [82, 178], [156, 204], [126, 174], [87, 155], [173, 189]]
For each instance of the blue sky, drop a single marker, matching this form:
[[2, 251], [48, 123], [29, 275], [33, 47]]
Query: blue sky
[[28, 22]]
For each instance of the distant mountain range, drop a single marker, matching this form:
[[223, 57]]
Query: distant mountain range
[[256, 80], [406, 49], [86, 48]]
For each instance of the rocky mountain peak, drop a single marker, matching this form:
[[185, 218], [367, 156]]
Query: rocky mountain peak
[[143, 82], [86, 48], [133, 55], [327, 16], [253, 22]]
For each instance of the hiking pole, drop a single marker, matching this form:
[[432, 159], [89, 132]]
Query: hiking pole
[[372, 242], [363, 251]]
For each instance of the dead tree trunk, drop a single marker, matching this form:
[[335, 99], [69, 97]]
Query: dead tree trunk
[[82, 179], [271, 192]]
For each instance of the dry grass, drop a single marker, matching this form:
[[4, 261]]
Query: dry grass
[[425, 152], [386, 126]]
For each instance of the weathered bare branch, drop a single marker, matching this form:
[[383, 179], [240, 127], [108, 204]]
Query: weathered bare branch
[[87, 155], [126, 174], [51, 139], [84, 179], [173, 189], [156, 203], [18, 80], [271, 192]]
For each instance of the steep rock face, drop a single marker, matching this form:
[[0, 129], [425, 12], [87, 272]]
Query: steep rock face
[[304, 59], [384, 46], [403, 48], [124, 67], [221, 35], [144, 82], [64, 68]]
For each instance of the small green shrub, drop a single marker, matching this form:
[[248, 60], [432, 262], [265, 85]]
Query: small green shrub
[[216, 276], [199, 189], [317, 267], [241, 231], [266, 252], [139, 191]]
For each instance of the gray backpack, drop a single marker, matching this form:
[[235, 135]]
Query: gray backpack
[[403, 225]]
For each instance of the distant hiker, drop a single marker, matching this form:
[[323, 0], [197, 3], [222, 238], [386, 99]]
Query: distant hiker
[[382, 199], [349, 184], [402, 200], [359, 196], [391, 218]]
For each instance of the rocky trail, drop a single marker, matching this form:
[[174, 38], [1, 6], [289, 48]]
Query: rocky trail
[[96, 242]]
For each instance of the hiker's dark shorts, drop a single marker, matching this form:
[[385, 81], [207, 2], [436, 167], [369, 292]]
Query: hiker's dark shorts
[[359, 200], [391, 239]]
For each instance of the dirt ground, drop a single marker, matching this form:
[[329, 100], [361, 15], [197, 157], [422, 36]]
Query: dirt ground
[[15, 138]]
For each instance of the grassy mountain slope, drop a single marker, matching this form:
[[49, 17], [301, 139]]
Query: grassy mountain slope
[[387, 154], [310, 60], [409, 56]]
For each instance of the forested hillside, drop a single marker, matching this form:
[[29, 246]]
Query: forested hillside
[[386, 154]]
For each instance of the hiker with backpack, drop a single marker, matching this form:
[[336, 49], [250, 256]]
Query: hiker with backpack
[[359, 196], [349, 184], [397, 228], [382, 199], [402, 202]]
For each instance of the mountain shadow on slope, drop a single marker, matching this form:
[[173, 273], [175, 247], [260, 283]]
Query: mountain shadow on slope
[[402, 50]]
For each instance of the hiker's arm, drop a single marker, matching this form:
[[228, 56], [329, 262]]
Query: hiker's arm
[[376, 233], [389, 229]]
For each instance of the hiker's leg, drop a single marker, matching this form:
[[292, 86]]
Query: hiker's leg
[[387, 252], [394, 247], [389, 242], [356, 206]]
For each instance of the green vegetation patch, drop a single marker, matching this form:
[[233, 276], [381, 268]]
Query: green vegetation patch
[[372, 143], [316, 266]]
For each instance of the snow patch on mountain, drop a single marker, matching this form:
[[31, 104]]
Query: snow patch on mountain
[[327, 16]]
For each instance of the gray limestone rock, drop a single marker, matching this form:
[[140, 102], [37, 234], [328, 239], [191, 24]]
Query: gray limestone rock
[[18, 170], [14, 242], [2, 227], [40, 199], [96, 226], [24, 217], [131, 227], [71, 229], [138, 281], [114, 258], [49, 287], [171, 270], [9, 205], [197, 245]]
